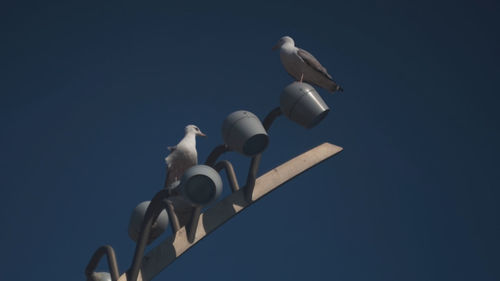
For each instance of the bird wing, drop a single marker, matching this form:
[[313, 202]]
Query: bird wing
[[310, 60], [174, 174], [178, 162]]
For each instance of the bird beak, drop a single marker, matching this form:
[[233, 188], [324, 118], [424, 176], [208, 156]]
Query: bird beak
[[275, 47], [202, 134]]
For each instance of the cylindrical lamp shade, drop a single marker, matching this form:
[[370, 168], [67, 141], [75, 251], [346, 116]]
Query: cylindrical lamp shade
[[201, 184], [301, 103], [137, 217], [99, 276], [242, 131]]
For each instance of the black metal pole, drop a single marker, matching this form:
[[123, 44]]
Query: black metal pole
[[252, 175], [153, 211], [271, 116], [174, 220], [216, 153], [112, 264], [254, 165], [193, 224], [231, 176]]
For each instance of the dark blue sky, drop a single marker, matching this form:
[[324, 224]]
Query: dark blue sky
[[92, 94]]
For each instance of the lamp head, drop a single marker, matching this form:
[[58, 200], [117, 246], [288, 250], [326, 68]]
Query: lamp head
[[201, 185], [301, 103], [243, 132], [135, 224]]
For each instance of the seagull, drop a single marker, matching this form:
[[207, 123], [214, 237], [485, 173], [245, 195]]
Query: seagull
[[303, 66], [182, 156]]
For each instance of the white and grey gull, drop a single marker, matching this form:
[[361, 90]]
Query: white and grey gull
[[303, 66], [182, 156]]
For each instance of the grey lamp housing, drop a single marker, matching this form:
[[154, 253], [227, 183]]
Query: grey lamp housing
[[243, 132], [201, 185], [301, 103], [137, 217]]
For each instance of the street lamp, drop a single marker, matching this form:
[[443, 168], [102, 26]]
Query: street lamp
[[243, 132], [301, 103], [137, 218], [201, 185]]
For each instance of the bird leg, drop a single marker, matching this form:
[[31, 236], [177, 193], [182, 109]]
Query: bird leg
[[301, 77]]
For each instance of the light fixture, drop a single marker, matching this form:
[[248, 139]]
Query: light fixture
[[137, 217], [201, 184], [301, 103], [242, 131]]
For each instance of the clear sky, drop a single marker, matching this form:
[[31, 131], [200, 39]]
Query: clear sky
[[92, 95]]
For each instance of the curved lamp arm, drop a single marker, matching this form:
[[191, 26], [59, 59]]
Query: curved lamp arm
[[231, 175], [254, 165], [154, 209], [96, 257], [216, 153]]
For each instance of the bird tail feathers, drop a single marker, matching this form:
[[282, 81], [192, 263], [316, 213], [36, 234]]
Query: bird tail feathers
[[336, 87]]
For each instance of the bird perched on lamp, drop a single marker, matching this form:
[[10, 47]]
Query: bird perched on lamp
[[182, 156], [303, 66]]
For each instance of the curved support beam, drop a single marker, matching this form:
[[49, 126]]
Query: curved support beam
[[254, 165], [154, 209], [96, 257], [174, 220], [193, 224], [231, 175], [233, 182], [216, 153], [271, 116], [252, 174], [173, 247]]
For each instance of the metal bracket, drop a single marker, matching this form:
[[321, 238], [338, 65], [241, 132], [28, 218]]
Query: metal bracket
[[96, 257]]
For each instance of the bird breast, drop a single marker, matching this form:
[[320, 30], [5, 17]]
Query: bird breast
[[185, 155]]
